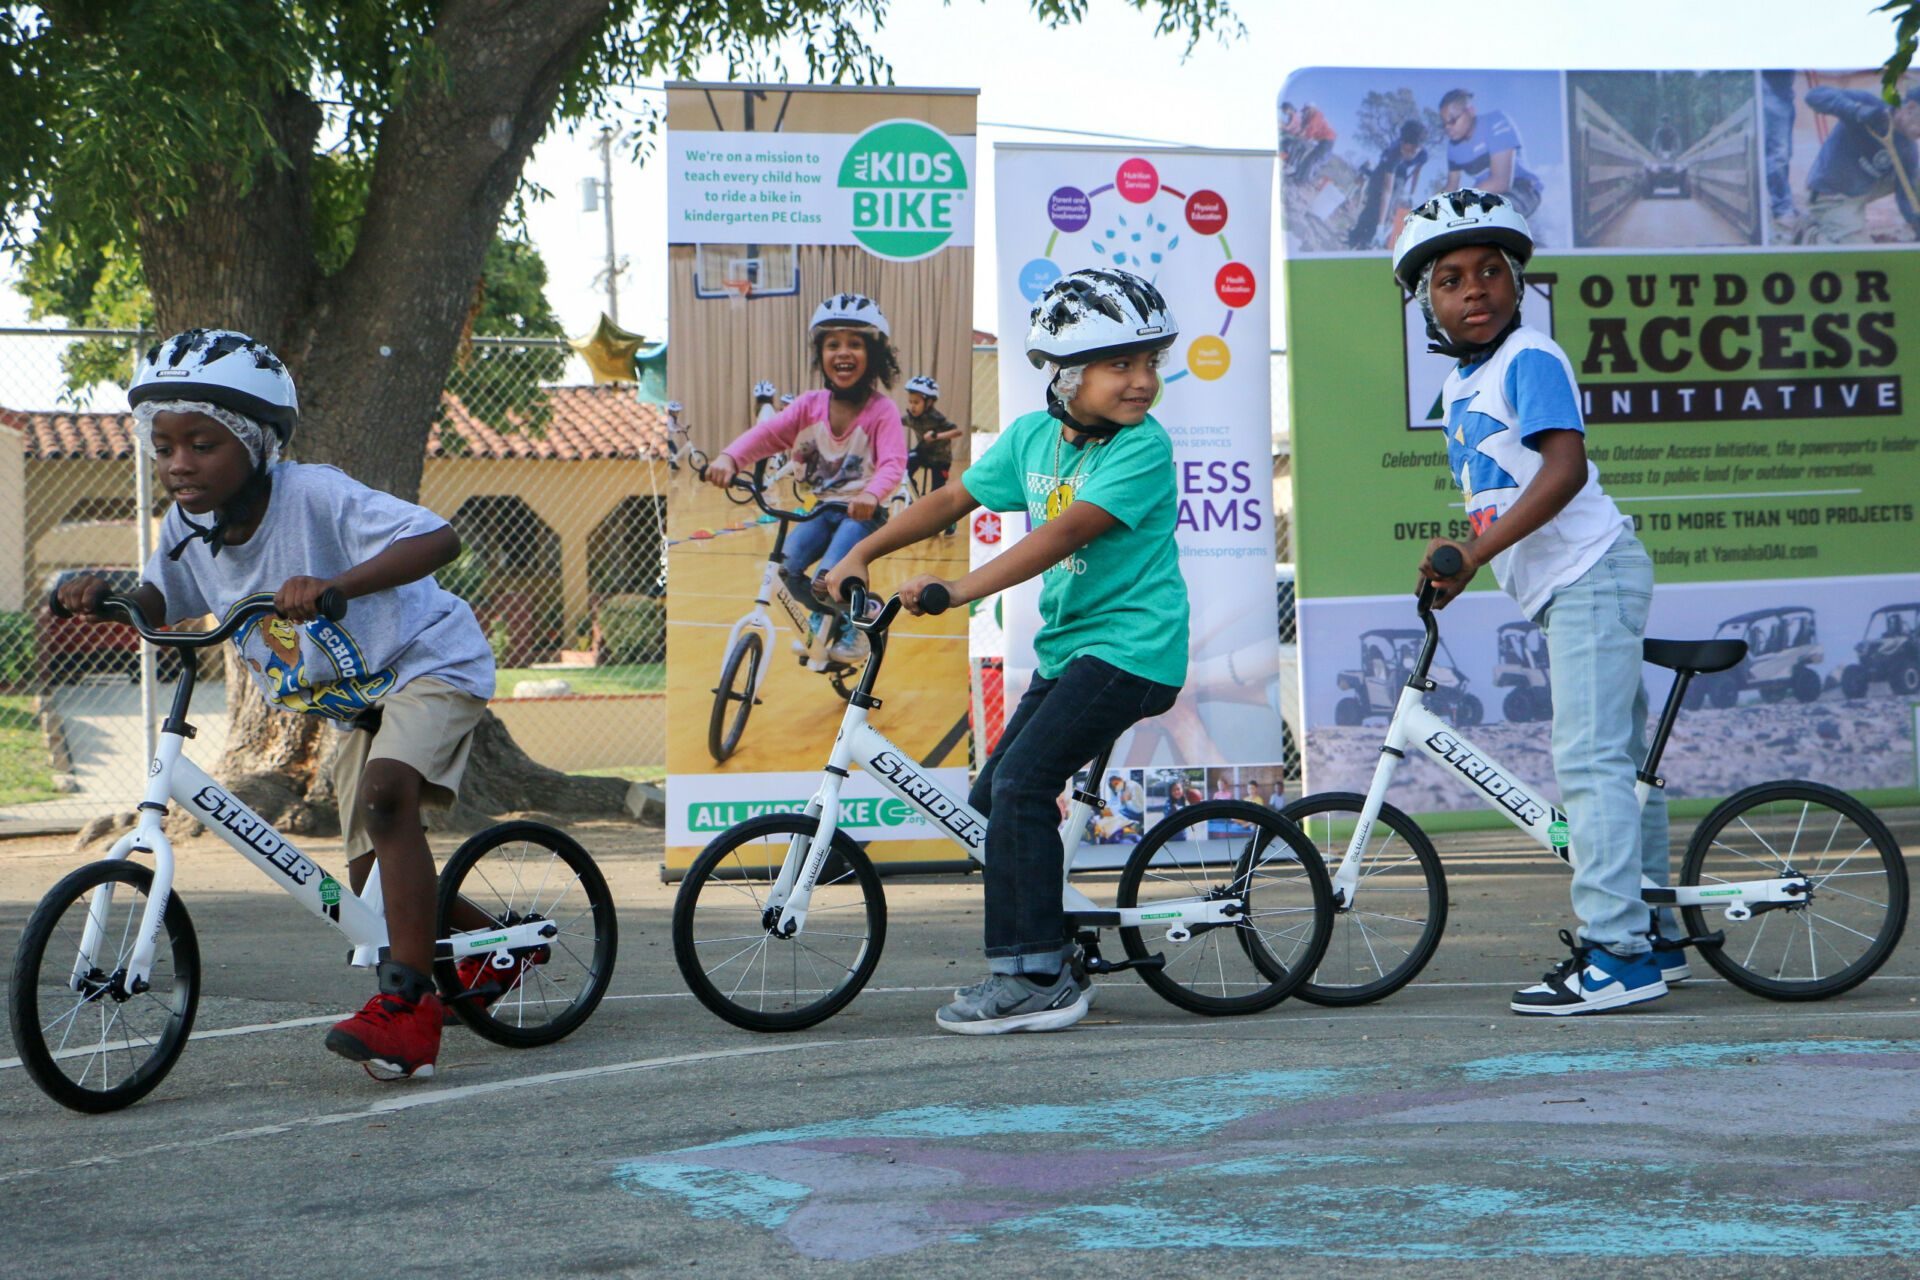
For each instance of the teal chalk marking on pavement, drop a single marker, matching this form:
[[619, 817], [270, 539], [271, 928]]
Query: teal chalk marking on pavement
[[1519, 1065], [708, 1192]]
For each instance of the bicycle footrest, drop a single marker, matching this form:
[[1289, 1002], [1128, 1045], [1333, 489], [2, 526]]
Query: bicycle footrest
[[1154, 961], [1093, 919], [1714, 939]]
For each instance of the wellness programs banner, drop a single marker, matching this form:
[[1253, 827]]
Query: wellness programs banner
[[1727, 258], [1196, 224], [779, 197]]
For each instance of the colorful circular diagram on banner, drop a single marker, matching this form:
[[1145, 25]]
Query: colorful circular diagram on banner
[[1137, 181], [1069, 209], [1136, 236], [1207, 212], [1208, 357], [1234, 284], [986, 527], [1036, 277]]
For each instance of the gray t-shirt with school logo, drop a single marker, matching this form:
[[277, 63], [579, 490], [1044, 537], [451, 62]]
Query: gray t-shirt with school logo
[[320, 522]]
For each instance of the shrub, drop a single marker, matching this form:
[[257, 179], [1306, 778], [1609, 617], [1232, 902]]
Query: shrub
[[16, 648], [633, 628]]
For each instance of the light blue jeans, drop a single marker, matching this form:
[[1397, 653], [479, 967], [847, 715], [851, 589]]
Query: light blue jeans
[[1594, 627]]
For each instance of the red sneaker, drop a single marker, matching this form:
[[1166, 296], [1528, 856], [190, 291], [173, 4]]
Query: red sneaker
[[487, 981], [398, 1030]]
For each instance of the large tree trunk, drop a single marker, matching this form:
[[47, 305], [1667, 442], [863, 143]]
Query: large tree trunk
[[371, 347]]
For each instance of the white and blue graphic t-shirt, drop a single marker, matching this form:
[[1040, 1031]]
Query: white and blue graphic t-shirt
[[1495, 408], [321, 522]]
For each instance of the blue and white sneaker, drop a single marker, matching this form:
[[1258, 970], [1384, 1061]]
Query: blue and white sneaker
[[1673, 967], [1592, 980]]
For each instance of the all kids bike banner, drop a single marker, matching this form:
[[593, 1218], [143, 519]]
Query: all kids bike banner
[[779, 198], [1727, 258], [1196, 224]]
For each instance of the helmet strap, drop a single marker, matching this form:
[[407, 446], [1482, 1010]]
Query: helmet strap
[[1440, 344], [244, 507], [1101, 429]]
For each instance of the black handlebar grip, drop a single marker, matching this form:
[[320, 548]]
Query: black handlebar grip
[[848, 586], [333, 604], [934, 598], [1447, 561], [54, 606]]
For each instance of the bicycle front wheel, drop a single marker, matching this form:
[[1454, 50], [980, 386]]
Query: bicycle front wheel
[[723, 928], [1384, 937], [733, 696], [87, 1040], [1222, 850], [1844, 930], [514, 873]]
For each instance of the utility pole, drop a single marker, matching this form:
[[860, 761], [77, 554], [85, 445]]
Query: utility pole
[[600, 192]]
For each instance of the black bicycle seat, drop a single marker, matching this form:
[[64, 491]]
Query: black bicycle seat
[[1698, 656]]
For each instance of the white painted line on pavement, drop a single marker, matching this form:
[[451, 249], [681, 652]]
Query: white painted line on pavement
[[429, 1096]]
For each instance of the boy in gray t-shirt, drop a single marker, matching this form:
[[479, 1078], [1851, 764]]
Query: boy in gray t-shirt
[[407, 673]]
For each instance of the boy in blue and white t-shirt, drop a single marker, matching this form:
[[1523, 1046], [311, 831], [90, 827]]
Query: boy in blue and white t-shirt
[[1561, 548]]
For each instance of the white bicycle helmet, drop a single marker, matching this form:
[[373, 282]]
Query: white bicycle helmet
[[219, 366], [1096, 312], [1452, 220], [925, 386], [674, 406], [849, 310], [763, 390], [787, 398]]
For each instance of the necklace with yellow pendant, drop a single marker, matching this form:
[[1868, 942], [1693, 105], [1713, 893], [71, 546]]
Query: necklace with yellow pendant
[[1060, 497]]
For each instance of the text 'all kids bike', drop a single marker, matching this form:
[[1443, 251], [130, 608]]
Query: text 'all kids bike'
[[106, 980]]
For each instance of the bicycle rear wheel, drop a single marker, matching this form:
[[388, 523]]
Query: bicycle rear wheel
[[733, 696], [1838, 936], [1384, 939], [513, 873], [98, 1046], [722, 927], [1229, 849]]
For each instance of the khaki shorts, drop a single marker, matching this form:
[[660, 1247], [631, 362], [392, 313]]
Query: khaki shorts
[[428, 725]]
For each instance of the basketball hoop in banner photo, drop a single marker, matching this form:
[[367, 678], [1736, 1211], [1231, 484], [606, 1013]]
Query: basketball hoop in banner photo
[[738, 292]]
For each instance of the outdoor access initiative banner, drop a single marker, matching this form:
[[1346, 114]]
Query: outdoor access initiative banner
[[1196, 223], [779, 197], [1727, 258]]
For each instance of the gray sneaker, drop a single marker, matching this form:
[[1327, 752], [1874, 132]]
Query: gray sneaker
[[1077, 966], [1007, 1002]]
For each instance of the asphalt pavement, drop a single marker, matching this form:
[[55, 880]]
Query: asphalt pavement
[[1433, 1134]]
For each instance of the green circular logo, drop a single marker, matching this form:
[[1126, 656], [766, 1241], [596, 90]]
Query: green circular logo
[[896, 813], [906, 178], [1557, 833]]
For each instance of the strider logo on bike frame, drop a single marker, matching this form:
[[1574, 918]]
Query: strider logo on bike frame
[[237, 818], [1490, 780], [928, 797]]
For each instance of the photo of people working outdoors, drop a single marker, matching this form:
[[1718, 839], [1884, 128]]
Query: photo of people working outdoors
[[1842, 165], [1360, 148]]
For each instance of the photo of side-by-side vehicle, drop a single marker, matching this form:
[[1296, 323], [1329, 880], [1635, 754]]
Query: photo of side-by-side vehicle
[[1786, 661]]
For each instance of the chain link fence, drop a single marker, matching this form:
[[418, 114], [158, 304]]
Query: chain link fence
[[552, 483]]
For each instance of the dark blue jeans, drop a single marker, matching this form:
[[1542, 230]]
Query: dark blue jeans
[[1057, 730]]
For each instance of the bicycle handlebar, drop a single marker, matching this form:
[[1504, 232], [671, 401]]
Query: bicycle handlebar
[[1447, 561], [934, 599], [332, 607], [757, 487]]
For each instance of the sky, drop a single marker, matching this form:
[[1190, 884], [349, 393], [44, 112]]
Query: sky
[[1111, 76]]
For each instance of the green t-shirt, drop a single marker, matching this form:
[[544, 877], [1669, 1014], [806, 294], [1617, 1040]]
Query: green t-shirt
[[1120, 598]]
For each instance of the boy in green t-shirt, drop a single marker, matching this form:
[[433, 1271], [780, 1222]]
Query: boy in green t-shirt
[[1094, 474]]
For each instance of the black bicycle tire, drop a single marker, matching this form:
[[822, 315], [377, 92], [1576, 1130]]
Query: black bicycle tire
[[1331, 995], [1892, 859], [701, 873], [1283, 983], [23, 993], [724, 739], [606, 933]]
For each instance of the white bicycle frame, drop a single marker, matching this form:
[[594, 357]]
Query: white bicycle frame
[[1520, 804], [757, 618], [173, 777], [859, 742]]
